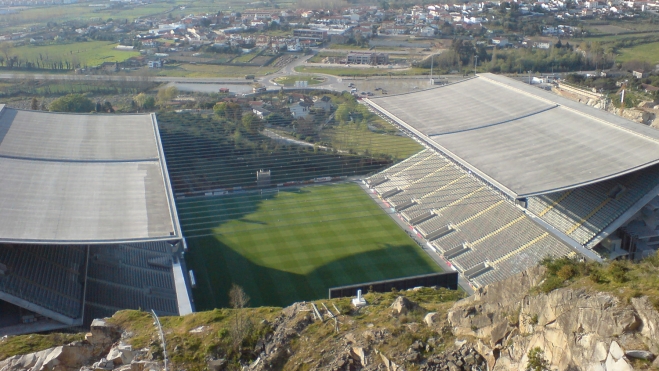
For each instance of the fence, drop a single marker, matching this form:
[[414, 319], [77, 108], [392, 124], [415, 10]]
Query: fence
[[448, 280]]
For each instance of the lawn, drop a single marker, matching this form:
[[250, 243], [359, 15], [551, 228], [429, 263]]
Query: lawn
[[211, 70], [645, 52], [294, 245], [290, 80], [351, 136], [89, 53]]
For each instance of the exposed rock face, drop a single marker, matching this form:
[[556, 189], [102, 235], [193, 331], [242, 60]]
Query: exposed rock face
[[95, 353], [576, 329], [286, 326]]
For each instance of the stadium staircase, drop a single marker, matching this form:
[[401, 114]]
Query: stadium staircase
[[482, 233], [584, 212]]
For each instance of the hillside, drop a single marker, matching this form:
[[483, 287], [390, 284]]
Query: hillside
[[581, 316]]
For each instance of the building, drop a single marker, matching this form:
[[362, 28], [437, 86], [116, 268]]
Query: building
[[324, 103], [308, 34], [299, 109], [367, 58], [88, 223], [639, 74], [498, 187]]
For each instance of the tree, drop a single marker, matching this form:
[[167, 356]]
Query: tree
[[72, 103], [229, 110], [6, 49], [144, 101], [537, 361], [34, 105], [343, 112], [252, 123], [166, 94], [238, 300]]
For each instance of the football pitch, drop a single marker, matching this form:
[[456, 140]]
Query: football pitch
[[293, 245]]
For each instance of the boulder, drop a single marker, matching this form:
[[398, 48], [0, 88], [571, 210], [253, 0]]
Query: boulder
[[403, 305], [63, 357], [358, 354], [217, 364], [120, 355], [102, 335], [431, 319]]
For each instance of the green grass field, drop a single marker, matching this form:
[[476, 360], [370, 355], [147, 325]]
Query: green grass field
[[90, 53], [350, 136], [646, 52], [290, 80], [294, 245], [212, 70]]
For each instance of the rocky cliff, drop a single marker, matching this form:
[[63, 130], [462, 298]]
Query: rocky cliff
[[576, 327]]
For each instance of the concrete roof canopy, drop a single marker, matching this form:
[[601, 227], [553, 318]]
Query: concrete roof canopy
[[522, 139], [70, 178]]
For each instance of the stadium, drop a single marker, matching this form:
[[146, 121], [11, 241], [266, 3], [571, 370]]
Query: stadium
[[107, 212], [88, 225], [513, 174]]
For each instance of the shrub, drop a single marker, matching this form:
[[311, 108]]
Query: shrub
[[566, 272], [618, 271], [597, 276], [72, 103]]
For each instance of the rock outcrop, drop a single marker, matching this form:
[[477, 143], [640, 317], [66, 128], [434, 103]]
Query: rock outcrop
[[100, 350], [576, 329]]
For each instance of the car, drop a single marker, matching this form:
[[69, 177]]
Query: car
[[369, 94], [376, 89], [363, 93]]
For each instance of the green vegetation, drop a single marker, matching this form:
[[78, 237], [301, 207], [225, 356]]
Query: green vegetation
[[290, 80], [318, 58], [32, 87], [66, 56], [212, 70], [24, 344], [536, 360], [72, 103], [215, 331], [648, 53], [190, 351], [624, 279], [294, 245], [246, 58]]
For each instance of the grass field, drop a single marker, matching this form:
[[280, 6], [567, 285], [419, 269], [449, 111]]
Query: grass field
[[646, 52], [350, 136], [90, 53], [294, 245], [290, 80], [211, 70]]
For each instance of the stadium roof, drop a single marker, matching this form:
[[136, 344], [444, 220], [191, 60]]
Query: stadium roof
[[524, 140], [70, 178]]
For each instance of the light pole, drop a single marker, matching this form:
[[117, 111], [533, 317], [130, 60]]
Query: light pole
[[530, 78]]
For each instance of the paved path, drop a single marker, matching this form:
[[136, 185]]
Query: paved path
[[462, 282]]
